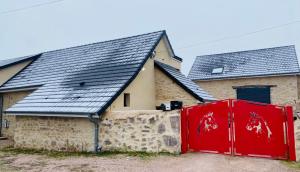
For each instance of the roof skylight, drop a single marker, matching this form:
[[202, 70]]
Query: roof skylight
[[217, 70]]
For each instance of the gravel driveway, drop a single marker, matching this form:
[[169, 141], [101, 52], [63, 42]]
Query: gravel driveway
[[186, 163]]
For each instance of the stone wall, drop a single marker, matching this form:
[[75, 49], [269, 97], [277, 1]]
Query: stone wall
[[150, 131], [297, 138], [283, 92], [10, 99], [54, 133], [167, 90]]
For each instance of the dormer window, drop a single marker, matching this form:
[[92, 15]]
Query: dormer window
[[218, 70]]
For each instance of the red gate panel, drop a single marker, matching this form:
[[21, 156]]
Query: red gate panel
[[259, 130], [239, 127], [209, 122]]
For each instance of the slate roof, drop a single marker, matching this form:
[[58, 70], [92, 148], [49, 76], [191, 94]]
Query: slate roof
[[9, 62], [262, 62], [184, 82], [84, 79]]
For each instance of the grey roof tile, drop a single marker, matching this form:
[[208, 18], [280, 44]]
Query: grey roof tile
[[83, 79], [261, 62], [184, 82]]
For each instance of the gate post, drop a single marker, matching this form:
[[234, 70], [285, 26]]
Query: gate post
[[290, 133], [184, 130]]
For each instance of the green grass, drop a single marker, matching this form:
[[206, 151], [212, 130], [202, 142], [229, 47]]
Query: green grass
[[60, 154], [291, 164]]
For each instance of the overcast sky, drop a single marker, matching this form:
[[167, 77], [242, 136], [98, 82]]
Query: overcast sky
[[192, 26]]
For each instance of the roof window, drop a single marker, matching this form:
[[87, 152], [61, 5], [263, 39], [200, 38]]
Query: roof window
[[218, 70]]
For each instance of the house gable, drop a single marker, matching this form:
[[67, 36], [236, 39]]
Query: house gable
[[159, 82], [141, 91], [165, 54]]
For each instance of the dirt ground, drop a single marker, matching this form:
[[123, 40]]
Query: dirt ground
[[5, 143], [186, 163]]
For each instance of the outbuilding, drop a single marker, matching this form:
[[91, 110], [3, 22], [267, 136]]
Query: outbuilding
[[100, 95], [269, 75]]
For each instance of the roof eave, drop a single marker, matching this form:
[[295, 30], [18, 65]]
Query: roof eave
[[48, 114], [250, 76], [15, 89]]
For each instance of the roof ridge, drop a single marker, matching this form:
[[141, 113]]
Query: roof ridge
[[232, 52], [110, 40]]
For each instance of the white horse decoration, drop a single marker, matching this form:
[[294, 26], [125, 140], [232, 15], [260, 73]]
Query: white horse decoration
[[259, 125], [208, 122]]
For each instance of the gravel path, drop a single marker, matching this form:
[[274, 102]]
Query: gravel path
[[185, 163]]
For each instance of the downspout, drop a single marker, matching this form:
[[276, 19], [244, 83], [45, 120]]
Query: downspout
[[96, 122]]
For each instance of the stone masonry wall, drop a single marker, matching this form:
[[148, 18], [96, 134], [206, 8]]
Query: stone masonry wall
[[151, 131], [297, 138], [54, 133], [10, 99]]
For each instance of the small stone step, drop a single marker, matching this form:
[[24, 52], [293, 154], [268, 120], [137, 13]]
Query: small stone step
[[3, 138]]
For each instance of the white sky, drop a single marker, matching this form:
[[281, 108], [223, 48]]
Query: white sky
[[77, 22]]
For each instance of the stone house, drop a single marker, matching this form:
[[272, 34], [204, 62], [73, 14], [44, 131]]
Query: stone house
[[100, 95], [268, 75]]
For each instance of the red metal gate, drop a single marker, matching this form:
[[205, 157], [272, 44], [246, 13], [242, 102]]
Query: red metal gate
[[238, 127]]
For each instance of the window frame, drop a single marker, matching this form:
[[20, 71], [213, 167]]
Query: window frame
[[256, 87]]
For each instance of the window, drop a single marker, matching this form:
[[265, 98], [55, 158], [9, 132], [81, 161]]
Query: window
[[217, 70], [126, 99], [255, 94]]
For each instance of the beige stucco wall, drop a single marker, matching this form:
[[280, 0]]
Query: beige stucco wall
[[141, 89], [151, 131], [10, 99], [285, 90], [163, 54], [167, 90], [8, 72]]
